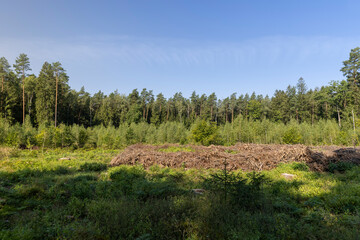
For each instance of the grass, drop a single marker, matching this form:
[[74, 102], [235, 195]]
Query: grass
[[42, 197], [176, 149], [231, 151]]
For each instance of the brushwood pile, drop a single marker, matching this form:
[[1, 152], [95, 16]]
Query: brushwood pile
[[248, 157]]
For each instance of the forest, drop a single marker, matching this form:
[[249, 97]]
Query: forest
[[71, 166], [41, 109], [189, 120]]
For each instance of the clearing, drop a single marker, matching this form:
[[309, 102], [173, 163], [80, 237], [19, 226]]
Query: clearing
[[248, 157]]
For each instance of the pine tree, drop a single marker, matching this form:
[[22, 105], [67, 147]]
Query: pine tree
[[57, 70], [12, 98], [301, 101], [351, 69], [45, 94], [30, 87], [212, 105], [158, 113], [4, 71], [233, 102], [179, 105], [21, 67], [194, 99], [134, 105]]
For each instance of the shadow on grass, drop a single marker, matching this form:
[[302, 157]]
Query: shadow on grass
[[131, 203]]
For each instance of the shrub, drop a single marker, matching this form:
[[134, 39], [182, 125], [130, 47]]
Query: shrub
[[238, 190], [292, 136], [93, 166], [13, 138], [343, 138], [130, 136], [299, 166], [205, 133], [81, 136], [340, 166], [127, 176]]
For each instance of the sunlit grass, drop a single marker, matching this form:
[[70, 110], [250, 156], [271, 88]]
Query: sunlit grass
[[176, 149], [81, 197]]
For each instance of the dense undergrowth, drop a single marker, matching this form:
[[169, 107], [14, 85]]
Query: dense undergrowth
[[79, 197], [202, 132]]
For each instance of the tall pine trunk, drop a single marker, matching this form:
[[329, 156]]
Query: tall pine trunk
[[326, 110], [147, 114], [160, 114], [339, 119], [2, 93], [239, 126], [56, 96], [23, 77], [312, 115], [167, 114], [232, 117], [144, 109], [226, 116]]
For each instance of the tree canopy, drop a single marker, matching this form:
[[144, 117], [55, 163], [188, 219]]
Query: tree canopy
[[48, 98]]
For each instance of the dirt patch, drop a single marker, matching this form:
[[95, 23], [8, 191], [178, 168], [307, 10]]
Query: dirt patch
[[248, 157]]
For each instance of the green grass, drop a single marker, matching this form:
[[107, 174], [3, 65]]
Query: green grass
[[42, 197], [176, 149], [231, 151]]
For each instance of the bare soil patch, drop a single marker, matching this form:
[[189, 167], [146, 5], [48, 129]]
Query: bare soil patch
[[248, 157]]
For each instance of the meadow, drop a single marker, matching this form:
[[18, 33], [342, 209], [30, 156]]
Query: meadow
[[75, 194]]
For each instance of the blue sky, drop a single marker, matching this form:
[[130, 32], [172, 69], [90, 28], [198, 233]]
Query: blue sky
[[170, 46]]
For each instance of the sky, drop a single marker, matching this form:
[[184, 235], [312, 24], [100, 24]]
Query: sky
[[183, 46]]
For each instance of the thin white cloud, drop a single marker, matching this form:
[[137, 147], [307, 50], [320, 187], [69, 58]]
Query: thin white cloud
[[124, 50], [277, 58]]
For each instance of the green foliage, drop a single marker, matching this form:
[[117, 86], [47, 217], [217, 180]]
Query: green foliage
[[237, 189], [126, 177], [202, 132], [294, 115], [93, 166], [292, 136], [176, 149], [343, 138], [43, 197], [231, 151], [13, 137], [81, 136], [323, 116], [340, 166], [299, 166], [205, 133], [130, 136]]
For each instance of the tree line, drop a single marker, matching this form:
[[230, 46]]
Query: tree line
[[47, 98]]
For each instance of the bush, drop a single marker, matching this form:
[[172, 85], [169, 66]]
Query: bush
[[292, 136], [238, 190], [81, 136], [127, 176], [340, 166], [343, 138], [205, 133], [13, 137], [93, 166]]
